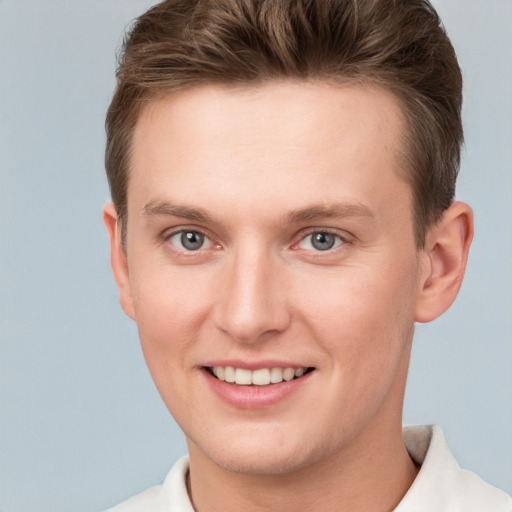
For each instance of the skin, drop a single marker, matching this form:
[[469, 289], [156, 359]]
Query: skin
[[257, 170]]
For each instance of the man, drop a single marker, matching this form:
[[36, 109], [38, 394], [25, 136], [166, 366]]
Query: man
[[282, 176]]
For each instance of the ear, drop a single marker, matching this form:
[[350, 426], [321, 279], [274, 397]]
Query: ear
[[444, 262], [118, 259]]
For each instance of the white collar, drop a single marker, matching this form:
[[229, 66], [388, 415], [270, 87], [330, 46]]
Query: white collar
[[441, 485]]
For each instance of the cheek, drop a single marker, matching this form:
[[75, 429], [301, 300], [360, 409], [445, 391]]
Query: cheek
[[363, 317], [168, 329], [170, 309]]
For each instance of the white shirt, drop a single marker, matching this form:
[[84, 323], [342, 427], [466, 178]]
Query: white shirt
[[440, 486]]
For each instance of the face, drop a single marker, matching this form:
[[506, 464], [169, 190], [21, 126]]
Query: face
[[270, 243]]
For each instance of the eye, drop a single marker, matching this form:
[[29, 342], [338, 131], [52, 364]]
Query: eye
[[320, 241], [189, 240]]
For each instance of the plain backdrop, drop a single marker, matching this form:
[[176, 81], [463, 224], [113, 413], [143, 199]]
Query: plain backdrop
[[81, 425]]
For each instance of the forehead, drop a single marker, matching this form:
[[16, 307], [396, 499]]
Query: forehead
[[278, 139], [293, 106]]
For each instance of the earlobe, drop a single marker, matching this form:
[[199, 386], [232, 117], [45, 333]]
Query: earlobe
[[444, 256], [118, 259]]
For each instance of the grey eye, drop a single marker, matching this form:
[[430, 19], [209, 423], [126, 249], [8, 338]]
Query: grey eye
[[323, 241], [192, 240], [320, 241]]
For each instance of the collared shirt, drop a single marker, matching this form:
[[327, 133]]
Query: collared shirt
[[440, 486]]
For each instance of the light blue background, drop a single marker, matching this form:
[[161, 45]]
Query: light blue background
[[81, 425]]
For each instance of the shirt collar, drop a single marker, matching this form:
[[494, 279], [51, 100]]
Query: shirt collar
[[440, 485]]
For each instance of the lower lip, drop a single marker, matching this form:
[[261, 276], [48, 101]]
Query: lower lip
[[254, 397]]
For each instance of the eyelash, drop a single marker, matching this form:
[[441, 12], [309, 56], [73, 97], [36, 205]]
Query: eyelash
[[183, 250], [339, 240]]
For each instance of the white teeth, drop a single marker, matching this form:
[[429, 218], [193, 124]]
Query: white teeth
[[288, 374], [243, 376], [229, 374], [260, 377], [276, 375]]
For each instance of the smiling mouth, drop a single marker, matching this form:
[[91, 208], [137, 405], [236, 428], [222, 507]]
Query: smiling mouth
[[260, 377]]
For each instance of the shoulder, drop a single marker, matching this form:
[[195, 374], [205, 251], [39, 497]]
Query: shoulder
[[478, 494], [441, 484]]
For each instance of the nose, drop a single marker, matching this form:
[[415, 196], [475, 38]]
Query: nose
[[253, 303]]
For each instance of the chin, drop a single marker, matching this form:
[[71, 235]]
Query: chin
[[260, 455], [261, 463]]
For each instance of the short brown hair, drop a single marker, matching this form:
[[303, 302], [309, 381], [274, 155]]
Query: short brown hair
[[398, 44]]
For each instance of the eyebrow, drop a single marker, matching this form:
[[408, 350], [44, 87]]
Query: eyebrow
[[164, 208], [329, 211]]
